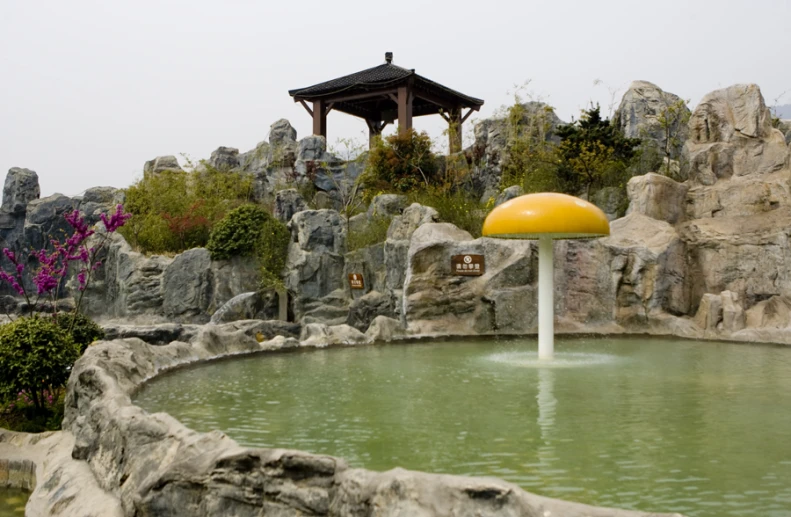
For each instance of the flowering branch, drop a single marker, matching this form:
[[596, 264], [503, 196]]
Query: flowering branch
[[54, 266]]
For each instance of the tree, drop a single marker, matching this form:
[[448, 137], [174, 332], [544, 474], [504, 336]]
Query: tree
[[673, 117], [400, 163], [594, 150]]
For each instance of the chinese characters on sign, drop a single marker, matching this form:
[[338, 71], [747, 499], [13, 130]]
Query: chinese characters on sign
[[467, 265], [356, 281]]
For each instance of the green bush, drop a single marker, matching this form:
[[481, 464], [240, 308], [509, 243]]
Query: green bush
[[238, 232], [458, 208], [400, 164], [251, 230], [271, 249], [375, 231], [83, 330], [36, 357], [176, 210]]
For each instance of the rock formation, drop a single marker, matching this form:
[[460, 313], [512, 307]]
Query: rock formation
[[658, 117]]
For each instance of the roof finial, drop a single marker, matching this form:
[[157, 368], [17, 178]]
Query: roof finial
[[388, 57]]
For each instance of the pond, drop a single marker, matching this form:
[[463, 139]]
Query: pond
[[12, 502], [699, 428]]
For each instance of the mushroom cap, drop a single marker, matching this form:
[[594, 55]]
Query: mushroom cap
[[558, 216]]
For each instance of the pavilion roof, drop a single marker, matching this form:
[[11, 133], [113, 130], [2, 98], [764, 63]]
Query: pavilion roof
[[352, 90]]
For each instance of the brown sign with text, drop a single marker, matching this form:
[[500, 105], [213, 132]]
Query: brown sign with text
[[467, 265], [356, 281]]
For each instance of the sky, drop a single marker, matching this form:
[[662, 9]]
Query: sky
[[90, 90]]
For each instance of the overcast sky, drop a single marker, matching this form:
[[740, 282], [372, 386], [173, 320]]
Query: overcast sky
[[90, 90]]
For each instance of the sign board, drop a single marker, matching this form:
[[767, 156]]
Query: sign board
[[467, 265], [356, 281]]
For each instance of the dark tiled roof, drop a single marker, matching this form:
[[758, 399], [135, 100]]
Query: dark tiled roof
[[377, 77]]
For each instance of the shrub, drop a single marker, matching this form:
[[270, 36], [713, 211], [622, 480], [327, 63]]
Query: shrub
[[36, 357], [271, 249], [375, 231], [400, 163], [82, 329], [176, 210], [250, 229], [237, 233], [458, 208]]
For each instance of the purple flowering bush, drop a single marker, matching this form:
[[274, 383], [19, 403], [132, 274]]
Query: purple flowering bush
[[38, 351]]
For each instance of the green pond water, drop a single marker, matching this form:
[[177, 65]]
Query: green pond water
[[657, 425], [12, 502]]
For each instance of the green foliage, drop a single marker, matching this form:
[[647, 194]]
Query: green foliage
[[251, 230], [400, 164], [176, 210], [23, 416], [271, 248], [375, 231], [531, 159], [36, 356], [82, 329], [237, 233], [458, 208], [594, 153]]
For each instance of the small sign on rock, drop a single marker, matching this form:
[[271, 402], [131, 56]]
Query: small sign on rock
[[356, 281], [467, 265]]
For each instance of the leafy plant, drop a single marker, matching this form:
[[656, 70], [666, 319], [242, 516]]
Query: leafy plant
[[458, 208], [36, 356], [593, 153], [251, 230], [82, 329], [271, 248], [400, 163], [374, 232], [176, 210], [237, 233]]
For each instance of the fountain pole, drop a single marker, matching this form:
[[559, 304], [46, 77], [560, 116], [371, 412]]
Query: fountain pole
[[546, 306]]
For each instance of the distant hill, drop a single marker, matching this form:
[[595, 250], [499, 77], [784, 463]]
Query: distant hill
[[783, 111]]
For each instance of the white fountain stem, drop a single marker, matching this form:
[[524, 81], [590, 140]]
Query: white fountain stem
[[546, 309]]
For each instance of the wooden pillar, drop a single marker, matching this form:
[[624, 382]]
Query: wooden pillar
[[320, 118], [375, 128], [454, 130], [404, 109]]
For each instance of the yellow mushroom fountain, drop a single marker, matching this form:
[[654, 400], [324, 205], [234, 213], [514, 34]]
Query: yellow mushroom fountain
[[546, 216]]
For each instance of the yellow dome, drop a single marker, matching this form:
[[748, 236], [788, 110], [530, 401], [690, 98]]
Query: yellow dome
[[556, 215]]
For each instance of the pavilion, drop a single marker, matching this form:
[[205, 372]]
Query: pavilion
[[386, 93]]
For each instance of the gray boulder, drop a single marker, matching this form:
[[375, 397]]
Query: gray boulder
[[659, 118], [186, 286], [255, 160], [287, 203], [658, 197], [314, 267], [397, 244], [731, 135], [161, 164], [281, 132], [312, 148], [508, 194], [363, 310], [99, 200], [45, 220], [387, 205], [224, 158], [318, 231], [20, 188]]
